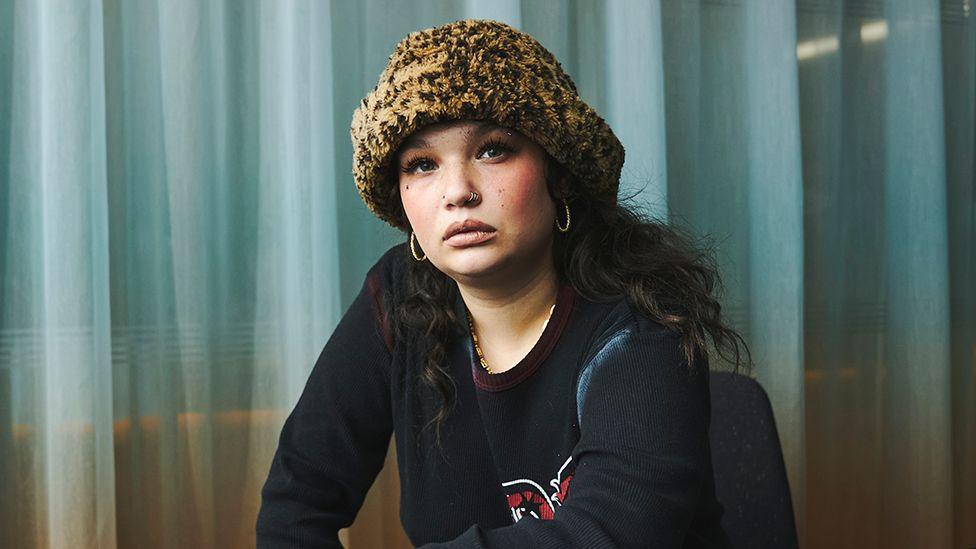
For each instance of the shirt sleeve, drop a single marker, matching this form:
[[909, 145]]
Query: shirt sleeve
[[335, 440], [641, 457]]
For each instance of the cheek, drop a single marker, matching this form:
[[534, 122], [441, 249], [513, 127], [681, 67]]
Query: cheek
[[416, 206], [526, 197]]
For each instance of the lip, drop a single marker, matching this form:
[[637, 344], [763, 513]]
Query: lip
[[466, 226], [469, 238]]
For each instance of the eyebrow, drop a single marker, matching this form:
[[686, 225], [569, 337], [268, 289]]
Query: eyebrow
[[482, 127]]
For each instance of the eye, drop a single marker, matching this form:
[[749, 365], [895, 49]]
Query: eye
[[425, 165], [494, 148]]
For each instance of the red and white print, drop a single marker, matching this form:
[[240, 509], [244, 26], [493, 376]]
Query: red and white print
[[528, 498]]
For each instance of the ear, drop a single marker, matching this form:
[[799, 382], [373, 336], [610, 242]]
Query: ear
[[558, 180]]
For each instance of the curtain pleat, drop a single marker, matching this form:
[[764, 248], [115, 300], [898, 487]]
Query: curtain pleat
[[916, 454]]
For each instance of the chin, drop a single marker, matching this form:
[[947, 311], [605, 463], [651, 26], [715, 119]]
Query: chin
[[475, 261]]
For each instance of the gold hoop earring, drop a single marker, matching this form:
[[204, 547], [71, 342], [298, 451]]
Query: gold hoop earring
[[566, 229], [413, 251]]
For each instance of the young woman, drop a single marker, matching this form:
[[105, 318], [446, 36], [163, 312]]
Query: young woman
[[537, 348]]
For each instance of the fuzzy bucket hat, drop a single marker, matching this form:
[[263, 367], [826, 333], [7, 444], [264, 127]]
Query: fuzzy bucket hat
[[479, 70]]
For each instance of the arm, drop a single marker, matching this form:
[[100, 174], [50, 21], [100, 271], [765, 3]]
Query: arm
[[335, 440], [640, 458]]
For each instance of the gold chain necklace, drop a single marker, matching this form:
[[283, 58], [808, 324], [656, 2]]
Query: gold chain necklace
[[477, 348]]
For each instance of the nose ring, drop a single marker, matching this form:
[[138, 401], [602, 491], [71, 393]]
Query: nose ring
[[473, 198]]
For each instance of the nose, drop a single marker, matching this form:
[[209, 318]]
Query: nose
[[460, 179]]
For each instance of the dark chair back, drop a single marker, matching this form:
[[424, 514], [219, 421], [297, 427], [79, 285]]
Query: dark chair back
[[750, 476]]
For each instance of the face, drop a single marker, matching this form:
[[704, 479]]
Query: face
[[440, 165]]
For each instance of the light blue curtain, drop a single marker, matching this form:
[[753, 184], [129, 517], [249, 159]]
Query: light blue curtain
[[179, 235]]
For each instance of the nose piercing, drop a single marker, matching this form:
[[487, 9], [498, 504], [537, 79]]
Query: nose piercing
[[472, 198]]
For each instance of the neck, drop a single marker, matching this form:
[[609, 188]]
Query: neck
[[507, 315]]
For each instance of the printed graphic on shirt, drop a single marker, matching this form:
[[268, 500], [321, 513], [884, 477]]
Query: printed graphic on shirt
[[528, 498]]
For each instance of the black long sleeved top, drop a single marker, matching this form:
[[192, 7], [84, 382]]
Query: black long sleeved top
[[597, 438]]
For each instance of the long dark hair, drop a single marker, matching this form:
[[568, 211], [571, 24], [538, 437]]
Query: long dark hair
[[611, 250]]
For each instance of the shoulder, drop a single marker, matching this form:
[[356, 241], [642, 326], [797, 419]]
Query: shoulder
[[636, 361], [626, 325], [389, 264], [383, 280], [387, 272]]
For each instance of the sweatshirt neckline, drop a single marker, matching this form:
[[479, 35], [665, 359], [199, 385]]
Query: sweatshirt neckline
[[566, 299]]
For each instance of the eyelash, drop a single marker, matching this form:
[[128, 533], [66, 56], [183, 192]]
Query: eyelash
[[493, 143]]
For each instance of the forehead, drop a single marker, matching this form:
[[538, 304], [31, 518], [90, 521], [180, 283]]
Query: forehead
[[463, 128]]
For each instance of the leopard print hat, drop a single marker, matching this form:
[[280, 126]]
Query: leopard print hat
[[478, 70]]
